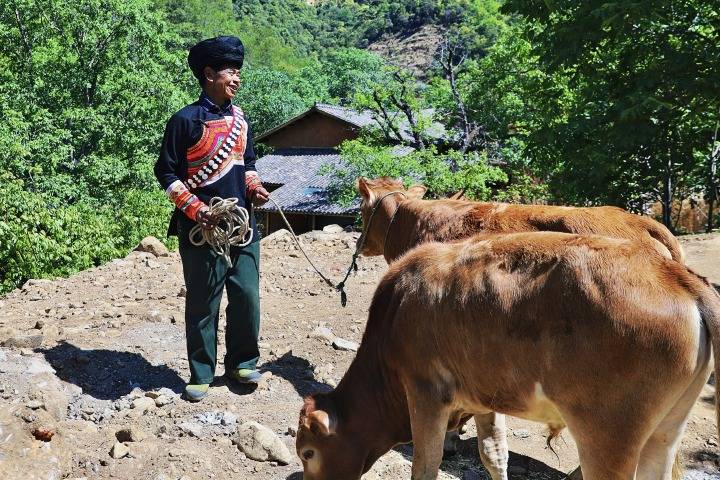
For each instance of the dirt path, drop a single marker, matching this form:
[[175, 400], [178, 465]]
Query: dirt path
[[96, 344]]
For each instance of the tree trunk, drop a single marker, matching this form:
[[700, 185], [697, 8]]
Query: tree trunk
[[712, 178], [667, 201]]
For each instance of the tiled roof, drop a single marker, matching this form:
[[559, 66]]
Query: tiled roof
[[304, 189], [359, 119]]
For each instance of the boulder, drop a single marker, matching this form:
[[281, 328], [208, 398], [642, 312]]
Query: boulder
[[323, 333], [281, 235], [342, 344], [24, 341], [333, 229], [260, 443], [131, 434], [119, 450], [152, 245]]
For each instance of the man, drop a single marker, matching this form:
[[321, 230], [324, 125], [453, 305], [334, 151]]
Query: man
[[207, 151]]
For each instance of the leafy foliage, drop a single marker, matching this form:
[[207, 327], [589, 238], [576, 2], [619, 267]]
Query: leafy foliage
[[579, 102], [86, 87], [471, 174], [639, 121]]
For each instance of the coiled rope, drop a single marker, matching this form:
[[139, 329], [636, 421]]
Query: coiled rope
[[232, 229]]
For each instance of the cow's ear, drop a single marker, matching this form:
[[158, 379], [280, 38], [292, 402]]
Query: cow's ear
[[363, 187], [417, 191], [320, 423]]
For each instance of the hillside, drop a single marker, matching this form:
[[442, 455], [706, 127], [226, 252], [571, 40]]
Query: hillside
[[94, 363]]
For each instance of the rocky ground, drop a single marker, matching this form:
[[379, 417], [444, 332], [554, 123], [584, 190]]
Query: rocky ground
[[91, 368]]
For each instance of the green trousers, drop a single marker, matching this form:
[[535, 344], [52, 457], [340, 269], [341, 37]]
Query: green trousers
[[206, 273]]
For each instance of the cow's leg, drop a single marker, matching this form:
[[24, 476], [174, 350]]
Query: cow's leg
[[429, 421], [608, 460], [659, 453], [492, 443], [450, 443], [608, 442]]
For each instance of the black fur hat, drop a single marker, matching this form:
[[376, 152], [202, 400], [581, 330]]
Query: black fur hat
[[214, 52]]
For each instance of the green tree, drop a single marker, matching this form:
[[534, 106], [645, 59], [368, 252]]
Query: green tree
[[86, 88], [443, 174], [643, 107]]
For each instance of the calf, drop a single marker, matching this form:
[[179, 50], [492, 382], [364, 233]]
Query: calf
[[603, 335], [402, 220]]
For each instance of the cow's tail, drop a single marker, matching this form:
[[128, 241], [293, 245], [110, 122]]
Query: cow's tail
[[710, 313]]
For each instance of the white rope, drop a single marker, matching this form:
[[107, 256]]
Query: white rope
[[232, 229]]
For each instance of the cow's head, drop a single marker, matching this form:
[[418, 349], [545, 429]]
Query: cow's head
[[326, 449], [372, 192]]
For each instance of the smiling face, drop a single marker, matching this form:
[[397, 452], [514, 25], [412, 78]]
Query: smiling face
[[221, 84]]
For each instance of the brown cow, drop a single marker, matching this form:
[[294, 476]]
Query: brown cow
[[602, 335], [404, 220]]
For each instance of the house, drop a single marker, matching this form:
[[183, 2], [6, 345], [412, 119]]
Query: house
[[304, 147]]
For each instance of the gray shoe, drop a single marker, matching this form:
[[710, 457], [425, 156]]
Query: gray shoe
[[196, 392], [245, 375]]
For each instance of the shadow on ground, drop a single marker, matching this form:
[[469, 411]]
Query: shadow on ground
[[298, 371], [295, 476], [235, 387], [109, 374], [466, 464]]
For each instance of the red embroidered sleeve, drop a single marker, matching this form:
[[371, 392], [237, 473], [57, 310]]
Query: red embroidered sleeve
[[252, 182], [183, 199]]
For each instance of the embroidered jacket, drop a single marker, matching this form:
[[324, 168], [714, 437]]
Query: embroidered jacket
[[207, 151]]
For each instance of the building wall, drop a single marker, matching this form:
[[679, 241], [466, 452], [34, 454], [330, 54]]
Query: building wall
[[314, 131]]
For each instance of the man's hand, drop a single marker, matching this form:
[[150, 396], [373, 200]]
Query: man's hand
[[206, 219], [260, 197]]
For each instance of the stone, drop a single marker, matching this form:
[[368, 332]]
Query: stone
[[275, 237], [521, 433], [119, 450], [39, 325], [323, 333], [162, 400], [228, 419], [260, 443], [55, 402], [191, 428], [143, 403], [36, 282], [333, 229], [24, 341], [131, 434], [209, 418], [347, 345], [35, 404], [152, 245], [156, 316], [37, 366]]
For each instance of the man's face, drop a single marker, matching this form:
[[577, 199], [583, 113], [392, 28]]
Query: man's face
[[223, 82]]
